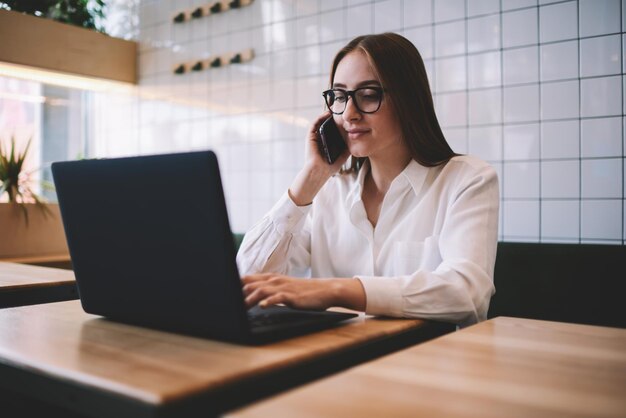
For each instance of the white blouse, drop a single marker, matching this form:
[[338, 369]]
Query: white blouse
[[431, 254]]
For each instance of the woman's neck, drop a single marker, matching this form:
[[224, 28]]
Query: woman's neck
[[384, 170]]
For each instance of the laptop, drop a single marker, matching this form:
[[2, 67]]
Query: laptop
[[151, 245]]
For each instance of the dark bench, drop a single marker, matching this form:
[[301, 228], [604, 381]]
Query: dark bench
[[581, 283], [237, 238]]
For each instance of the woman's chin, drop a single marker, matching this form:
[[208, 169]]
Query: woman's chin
[[357, 152]]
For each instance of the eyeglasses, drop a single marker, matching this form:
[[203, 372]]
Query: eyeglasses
[[366, 99]]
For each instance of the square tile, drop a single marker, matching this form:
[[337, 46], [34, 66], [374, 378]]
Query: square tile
[[521, 65], [601, 137], [332, 25], [521, 180], [261, 126], [602, 178], [306, 7], [308, 61], [486, 142], [422, 38], [261, 160], [450, 38], [239, 41], [261, 39], [284, 65], [598, 17], [483, 70], [417, 12], [450, 74], [307, 30], [281, 180], [601, 96], [560, 179], [517, 4], [558, 22], [257, 208], [521, 142], [482, 7], [483, 33], [281, 10], [521, 219], [260, 12], [241, 19], [221, 26], [600, 56], [449, 10], [238, 214], [519, 28], [451, 109], [601, 219], [360, 20], [485, 106], [457, 139], [331, 4], [283, 127], [559, 61], [327, 55], [521, 103], [560, 139], [309, 92], [388, 16], [559, 100], [283, 35], [560, 219], [283, 152]]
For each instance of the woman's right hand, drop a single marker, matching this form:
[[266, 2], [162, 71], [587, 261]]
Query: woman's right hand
[[316, 170]]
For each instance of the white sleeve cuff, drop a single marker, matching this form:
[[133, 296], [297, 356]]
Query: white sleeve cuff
[[287, 216], [383, 296]]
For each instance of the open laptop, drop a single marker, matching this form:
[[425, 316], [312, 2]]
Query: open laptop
[[151, 245]]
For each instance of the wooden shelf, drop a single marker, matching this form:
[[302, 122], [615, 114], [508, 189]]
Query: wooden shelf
[[45, 44]]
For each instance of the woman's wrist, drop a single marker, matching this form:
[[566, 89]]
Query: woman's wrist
[[307, 184], [348, 293]]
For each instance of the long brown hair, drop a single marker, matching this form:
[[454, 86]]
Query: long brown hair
[[400, 69]]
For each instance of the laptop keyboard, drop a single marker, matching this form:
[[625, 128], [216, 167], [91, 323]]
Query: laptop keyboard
[[263, 319]]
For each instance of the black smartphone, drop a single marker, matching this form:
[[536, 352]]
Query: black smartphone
[[331, 142]]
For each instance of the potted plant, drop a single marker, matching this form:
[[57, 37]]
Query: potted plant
[[31, 228], [83, 13]]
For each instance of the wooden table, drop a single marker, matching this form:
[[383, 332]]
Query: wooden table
[[504, 367], [61, 261], [22, 284], [56, 353]]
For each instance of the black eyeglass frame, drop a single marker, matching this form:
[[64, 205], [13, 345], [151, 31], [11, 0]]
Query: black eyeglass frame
[[351, 93]]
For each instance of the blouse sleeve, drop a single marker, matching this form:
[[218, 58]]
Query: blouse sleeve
[[460, 288], [279, 242]]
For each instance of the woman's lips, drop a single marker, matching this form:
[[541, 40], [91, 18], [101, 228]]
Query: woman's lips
[[356, 133]]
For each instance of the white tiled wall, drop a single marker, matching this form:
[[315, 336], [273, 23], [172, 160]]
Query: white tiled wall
[[535, 87]]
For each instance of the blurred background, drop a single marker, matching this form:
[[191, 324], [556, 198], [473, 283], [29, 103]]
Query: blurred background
[[536, 88]]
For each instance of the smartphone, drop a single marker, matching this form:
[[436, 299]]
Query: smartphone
[[331, 142]]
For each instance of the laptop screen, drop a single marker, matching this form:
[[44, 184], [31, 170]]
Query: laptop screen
[[150, 241]]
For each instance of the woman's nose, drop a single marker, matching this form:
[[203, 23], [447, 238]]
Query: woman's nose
[[351, 112]]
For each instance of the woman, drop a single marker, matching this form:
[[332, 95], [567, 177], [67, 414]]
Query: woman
[[409, 231]]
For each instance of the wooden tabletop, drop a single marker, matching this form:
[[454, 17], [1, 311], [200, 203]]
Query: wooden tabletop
[[81, 360], [22, 284], [504, 367], [50, 260]]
